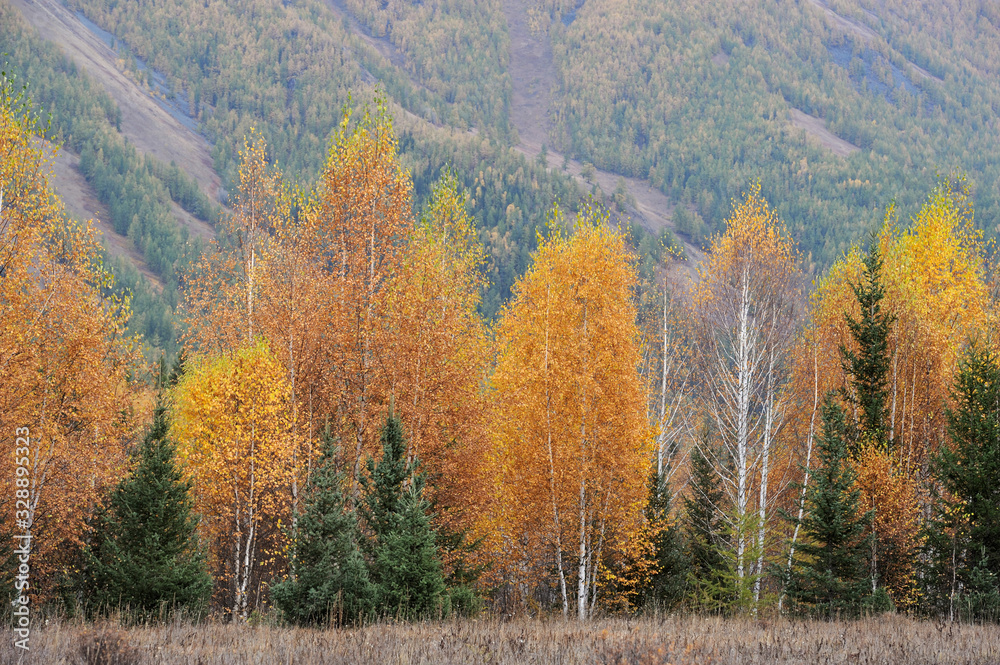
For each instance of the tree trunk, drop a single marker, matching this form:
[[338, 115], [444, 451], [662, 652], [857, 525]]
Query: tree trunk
[[581, 586], [743, 423], [769, 417], [805, 481], [552, 468]]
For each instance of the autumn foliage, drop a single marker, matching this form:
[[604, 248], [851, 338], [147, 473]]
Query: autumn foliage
[[232, 427], [64, 361], [937, 291], [546, 456], [571, 441]]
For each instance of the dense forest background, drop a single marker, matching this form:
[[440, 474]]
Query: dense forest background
[[836, 109], [506, 302]]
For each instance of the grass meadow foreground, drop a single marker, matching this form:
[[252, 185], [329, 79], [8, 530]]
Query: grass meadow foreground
[[676, 640]]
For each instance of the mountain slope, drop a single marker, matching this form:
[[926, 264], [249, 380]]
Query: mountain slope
[[665, 110], [704, 97]]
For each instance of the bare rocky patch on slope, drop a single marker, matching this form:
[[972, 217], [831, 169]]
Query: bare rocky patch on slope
[[533, 78], [816, 129], [150, 128]]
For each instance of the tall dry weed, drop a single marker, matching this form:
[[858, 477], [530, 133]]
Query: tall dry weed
[[678, 640]]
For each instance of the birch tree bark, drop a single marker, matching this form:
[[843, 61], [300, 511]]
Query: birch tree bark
[[745, 306]]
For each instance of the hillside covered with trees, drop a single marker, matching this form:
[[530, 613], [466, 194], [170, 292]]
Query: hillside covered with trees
[[346, 437], [834, 108], [702, 98], [411, 370]]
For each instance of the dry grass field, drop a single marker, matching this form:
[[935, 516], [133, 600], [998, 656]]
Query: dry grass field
[[674, 640]]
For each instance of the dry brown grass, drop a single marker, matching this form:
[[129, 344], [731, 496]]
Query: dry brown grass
[[674, 640]]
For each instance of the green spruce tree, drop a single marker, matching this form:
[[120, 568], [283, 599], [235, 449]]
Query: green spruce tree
[[410, 579], [704, 535], [868, 367], [667, 585], [406, 568], [329, 583], [145, 557], [383, 488], [462, 574], [829, 576], [964, 535], [177, 369]]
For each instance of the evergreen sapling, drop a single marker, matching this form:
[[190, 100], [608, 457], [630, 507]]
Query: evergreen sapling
[[145, 557], [829, 575], [329, 582]]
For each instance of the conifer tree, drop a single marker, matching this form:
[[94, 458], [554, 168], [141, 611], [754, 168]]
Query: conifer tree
[[146, 557], [177, 369], [965, 534], [703, 516], [829, 576], [384, 485], [868, 367], [410, 579], [329, 581], [406, 568], [666, 586]]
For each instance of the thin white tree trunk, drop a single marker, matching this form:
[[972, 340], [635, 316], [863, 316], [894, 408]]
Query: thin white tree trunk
[[895, 390], [743, 424], [663, 393], [237, 547], [552, 467], [769, 419], [805, 480], [251, 264], [581, 586], [295, 444], [594, 556]]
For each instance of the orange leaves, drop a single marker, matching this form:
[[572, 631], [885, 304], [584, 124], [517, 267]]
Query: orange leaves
[[359, 216], [571, 440], [64, 365], [754, 237], [934, 277], [222, 293], [893, 495], [744, 308], [358, 306], [438, 352]]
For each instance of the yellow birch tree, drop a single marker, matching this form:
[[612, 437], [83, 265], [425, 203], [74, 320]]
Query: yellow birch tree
[[572, 446], [232, 430]]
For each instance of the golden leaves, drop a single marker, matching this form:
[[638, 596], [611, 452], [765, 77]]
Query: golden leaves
[[232, 427], [935, 282], [571, 441], [359, 305], [438, 351], [893, 495]]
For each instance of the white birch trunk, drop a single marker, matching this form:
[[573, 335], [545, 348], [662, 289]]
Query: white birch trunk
[[663, 394], [895, 390], [805, 480], [743, 423], [552, 468], [769, 417], [581, 586]]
